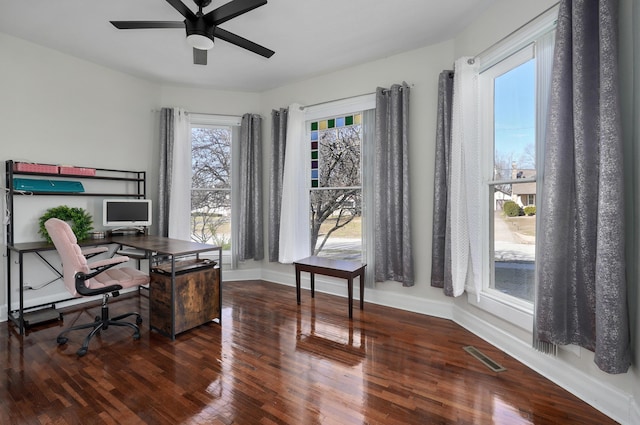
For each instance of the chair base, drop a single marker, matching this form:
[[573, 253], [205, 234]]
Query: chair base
[[99, 324]]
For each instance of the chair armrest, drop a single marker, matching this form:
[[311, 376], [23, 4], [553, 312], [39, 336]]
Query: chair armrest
[[110, 262], [98, 267], [90, 252]]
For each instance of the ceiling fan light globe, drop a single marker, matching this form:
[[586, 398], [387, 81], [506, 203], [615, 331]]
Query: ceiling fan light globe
[[200, 42]]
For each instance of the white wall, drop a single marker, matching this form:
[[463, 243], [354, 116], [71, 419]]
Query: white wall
[[61, 110]]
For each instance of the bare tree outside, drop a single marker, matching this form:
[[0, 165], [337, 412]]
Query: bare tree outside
[[211, 185], [336, 205]]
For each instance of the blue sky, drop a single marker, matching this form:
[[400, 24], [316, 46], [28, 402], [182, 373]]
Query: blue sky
[[515, 112]]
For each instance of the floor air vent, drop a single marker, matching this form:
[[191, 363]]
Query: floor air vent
[[495, 367]]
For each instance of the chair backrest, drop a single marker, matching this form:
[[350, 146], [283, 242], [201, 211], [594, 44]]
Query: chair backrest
[[67, 246]]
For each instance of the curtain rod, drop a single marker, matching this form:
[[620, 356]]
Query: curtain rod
[[205, 113], [472, 60], [302, 108]]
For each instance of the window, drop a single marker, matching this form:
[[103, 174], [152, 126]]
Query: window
[[212, 142], [512, 233], [514, 86], [336, 186], [339, 177]]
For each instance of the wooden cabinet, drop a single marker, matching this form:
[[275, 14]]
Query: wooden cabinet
[[195, 293]]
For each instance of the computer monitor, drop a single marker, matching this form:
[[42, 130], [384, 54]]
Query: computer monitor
[[126, 212]]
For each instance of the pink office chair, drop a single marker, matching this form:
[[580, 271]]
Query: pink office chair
[[96, 278]]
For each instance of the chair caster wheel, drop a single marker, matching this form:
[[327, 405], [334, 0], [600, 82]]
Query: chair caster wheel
[[136, 336], [97, 319], [62, 340], [138, 320], [81, 352]]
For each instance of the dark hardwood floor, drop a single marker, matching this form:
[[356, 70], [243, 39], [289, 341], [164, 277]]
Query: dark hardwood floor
[[273, 362]]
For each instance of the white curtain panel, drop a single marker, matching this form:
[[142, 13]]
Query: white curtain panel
[[180, 201], [294, 216], [465, 179]]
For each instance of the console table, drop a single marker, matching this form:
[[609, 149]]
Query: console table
[[334, 268]]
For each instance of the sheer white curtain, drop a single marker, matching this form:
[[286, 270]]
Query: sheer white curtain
[[180, 200], [294, 216], [465, 179]]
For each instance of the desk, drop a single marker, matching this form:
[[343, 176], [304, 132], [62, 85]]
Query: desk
[[157, 246], [335, 268]]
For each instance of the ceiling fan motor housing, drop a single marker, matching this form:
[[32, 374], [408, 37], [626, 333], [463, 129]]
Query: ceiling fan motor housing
[[199, 27]]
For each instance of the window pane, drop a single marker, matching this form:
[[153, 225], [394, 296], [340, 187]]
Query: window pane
[[211, 158], [513, 257], [515, 120], [336, 223], [211, 217], [211, 185], [514, 253], [340, 157]]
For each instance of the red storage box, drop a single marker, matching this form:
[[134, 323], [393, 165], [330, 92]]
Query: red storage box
[[77, 171], [29, 167]]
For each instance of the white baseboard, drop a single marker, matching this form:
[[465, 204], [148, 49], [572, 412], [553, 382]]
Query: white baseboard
[[634, 414], [240, 274]]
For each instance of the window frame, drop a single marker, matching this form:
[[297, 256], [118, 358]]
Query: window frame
[[229, 257], [361, 165], [365, 104], [511, 49]]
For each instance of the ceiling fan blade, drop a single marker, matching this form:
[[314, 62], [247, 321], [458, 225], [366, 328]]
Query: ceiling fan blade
[[183, 9], [199, 57], [231, 10], [242, 42], [134, 25]]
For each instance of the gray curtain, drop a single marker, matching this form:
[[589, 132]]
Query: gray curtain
[[582, 291], [250, 235], [164, 173], [393, 249], [278, 140], [441, 242]]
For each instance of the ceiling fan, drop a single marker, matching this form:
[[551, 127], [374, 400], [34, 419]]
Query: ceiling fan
[[203, 28]]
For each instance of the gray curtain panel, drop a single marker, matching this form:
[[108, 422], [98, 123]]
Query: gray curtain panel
[[582, 291], [250, 233], [392, 216], [278, 141], [441, 242], [164, 171]]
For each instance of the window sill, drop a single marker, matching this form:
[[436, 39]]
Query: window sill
[[518, 315]]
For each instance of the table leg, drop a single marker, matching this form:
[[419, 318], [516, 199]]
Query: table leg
[[298, 284], [313, 284], [362, 291], [350, 290]]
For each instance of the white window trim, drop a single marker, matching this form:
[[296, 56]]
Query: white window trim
[[340, 107]]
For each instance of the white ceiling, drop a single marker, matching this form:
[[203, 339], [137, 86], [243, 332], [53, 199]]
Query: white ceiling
[[309, 37]]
